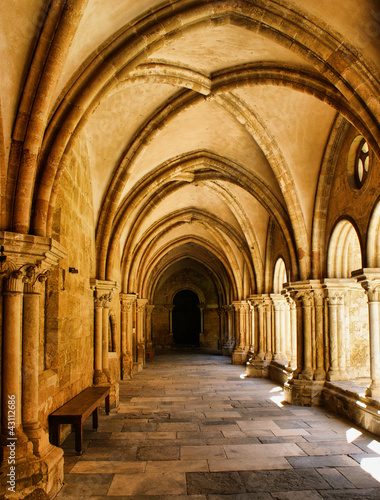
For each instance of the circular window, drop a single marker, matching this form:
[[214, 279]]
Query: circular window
[[358, 164], [362, 162]]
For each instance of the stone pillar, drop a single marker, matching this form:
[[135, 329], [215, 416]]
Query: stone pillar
[[99, 377], [222, 327], [258, 365], [305, 386], [149, 342], [33, 282], [240, 353], [127, 300], [201, 333], [369, 278], [320, 370], [229, 343], [170, 308], [103, 375], [279, 304], [268, 327], [105, 336], [38, 464], [335, 290], [140, 332], [292, 331]]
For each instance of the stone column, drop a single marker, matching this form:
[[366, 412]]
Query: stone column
[[335, 290], [268, 330], [170, 309], [99, 377], [105, 336], [292, 331], [320, 370], [201, 333], [103, 293], [229, 338], [369, 278], [305, 388], [149, 342], [258, 364], [279, 304], [25, 262], [140, 332], [12, 354], [127, 300], [240, 354], [222, 327], [33, 282]]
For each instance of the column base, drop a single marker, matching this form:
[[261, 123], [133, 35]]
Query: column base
[[334, 376], [373, 390], [303, 392], [257, 369], [100, 378], [141, 355], [126, 367], [28, 475], [239, 357], [228, 348]]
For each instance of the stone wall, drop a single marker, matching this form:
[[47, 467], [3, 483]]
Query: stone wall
[[66, 361]]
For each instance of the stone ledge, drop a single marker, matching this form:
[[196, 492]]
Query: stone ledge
[[342, 399]]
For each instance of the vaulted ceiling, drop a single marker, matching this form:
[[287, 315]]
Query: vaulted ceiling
[[204, 122]]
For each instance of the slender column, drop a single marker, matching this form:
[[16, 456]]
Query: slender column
[[105, 337], [170, 308], [279, 326], [370, 281], [320, 372], [99, 376], [239, 356], [293, 331], [335, 291], [140, 331], [30, 350], [149, 311], [127, 300], [308, 371], [268, 330], [11, 374]]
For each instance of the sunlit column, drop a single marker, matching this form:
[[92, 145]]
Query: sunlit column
[[370, 281]]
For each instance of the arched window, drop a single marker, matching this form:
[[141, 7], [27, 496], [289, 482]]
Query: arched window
[[344, 253], [279, 275], [373, 239]]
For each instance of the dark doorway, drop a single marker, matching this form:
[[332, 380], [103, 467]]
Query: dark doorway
[[186, 318]]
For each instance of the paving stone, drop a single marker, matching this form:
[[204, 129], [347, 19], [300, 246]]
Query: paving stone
[[215, 483], [167, 483], [297, 495], [158, 453], [323, 461], [86, 484], [283, 480], [335, 479], [355, 494]]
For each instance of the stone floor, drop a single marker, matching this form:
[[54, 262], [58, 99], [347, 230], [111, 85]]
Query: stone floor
[[192, 426]]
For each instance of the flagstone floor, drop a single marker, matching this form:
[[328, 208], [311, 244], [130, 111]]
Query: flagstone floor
[[191, 426]]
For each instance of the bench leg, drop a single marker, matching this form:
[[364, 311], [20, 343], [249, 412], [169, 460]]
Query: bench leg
[[78, 438], [95, 418], [107, 404], [55, 434]]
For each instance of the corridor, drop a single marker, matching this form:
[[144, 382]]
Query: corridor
[[190, 425]]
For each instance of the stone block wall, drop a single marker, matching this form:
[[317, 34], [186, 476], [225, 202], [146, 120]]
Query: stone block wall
[[66, 343]]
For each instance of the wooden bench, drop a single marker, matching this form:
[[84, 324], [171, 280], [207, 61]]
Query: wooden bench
[[76, 411]]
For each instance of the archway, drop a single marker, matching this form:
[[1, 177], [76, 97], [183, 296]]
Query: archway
[[344, 253], [186, 318]]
